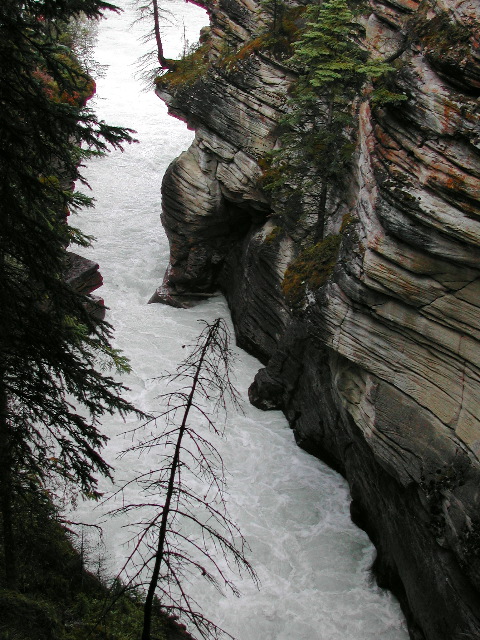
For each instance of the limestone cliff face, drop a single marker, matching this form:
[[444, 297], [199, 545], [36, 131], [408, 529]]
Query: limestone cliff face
[[379, 372]]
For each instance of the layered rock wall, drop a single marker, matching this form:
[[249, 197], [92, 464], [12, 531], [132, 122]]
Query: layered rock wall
[[379, 372]]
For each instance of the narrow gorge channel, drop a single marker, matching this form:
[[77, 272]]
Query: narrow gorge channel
[[312, 562]]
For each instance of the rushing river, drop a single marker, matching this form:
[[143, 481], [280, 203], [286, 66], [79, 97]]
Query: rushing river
[[312, 562]]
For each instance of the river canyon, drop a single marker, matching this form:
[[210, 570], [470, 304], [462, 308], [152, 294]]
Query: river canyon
[[378, 373]]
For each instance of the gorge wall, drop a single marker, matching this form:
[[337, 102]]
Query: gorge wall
[[378, 370]]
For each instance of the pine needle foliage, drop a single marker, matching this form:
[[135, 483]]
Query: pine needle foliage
[[319, 131], [54, 356]]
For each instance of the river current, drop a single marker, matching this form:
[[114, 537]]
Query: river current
[[312, 562]]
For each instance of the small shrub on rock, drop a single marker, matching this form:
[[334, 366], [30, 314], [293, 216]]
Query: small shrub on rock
[[310, 270]]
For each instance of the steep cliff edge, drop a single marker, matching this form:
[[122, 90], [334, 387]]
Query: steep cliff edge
[[378, 369]]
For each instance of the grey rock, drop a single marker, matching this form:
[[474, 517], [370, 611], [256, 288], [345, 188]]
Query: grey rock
[[379, 372]]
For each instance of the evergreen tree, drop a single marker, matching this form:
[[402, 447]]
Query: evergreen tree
[[320, 128], [53, 354]]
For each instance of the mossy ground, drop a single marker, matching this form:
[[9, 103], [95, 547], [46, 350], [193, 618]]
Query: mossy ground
[[186, 71], [57, 598]]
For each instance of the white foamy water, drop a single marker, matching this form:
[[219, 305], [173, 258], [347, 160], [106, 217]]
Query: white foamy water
[[313, 563]]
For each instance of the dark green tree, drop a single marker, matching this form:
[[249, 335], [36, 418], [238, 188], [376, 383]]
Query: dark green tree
[[276, 9], [54, 383], [319, 135]]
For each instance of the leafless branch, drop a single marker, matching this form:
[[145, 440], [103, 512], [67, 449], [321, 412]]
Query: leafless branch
[[183, 531]]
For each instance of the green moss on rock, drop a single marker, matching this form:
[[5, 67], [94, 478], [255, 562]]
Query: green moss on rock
[[310, 270], [274, 235], [187, 70]]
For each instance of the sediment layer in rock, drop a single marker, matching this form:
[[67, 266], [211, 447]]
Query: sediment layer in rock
[[379, 373]]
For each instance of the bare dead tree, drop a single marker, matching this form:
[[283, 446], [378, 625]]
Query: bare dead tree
[[153, 62], [185, 528], [158, 38]]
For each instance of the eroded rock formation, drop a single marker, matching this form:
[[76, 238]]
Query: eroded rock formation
[[379, 372], [84, 277]]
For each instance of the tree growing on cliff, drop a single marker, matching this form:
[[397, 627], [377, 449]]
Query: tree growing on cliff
[[319, 131], [186, 529], [53, 354], [154, 62]]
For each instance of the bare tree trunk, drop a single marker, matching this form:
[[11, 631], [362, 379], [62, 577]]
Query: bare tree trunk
[[158, 39], [147, 612], [6, 494], [204, 375]]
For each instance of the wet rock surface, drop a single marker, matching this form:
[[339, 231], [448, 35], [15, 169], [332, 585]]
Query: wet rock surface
[[379, 372], [83, 276]]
